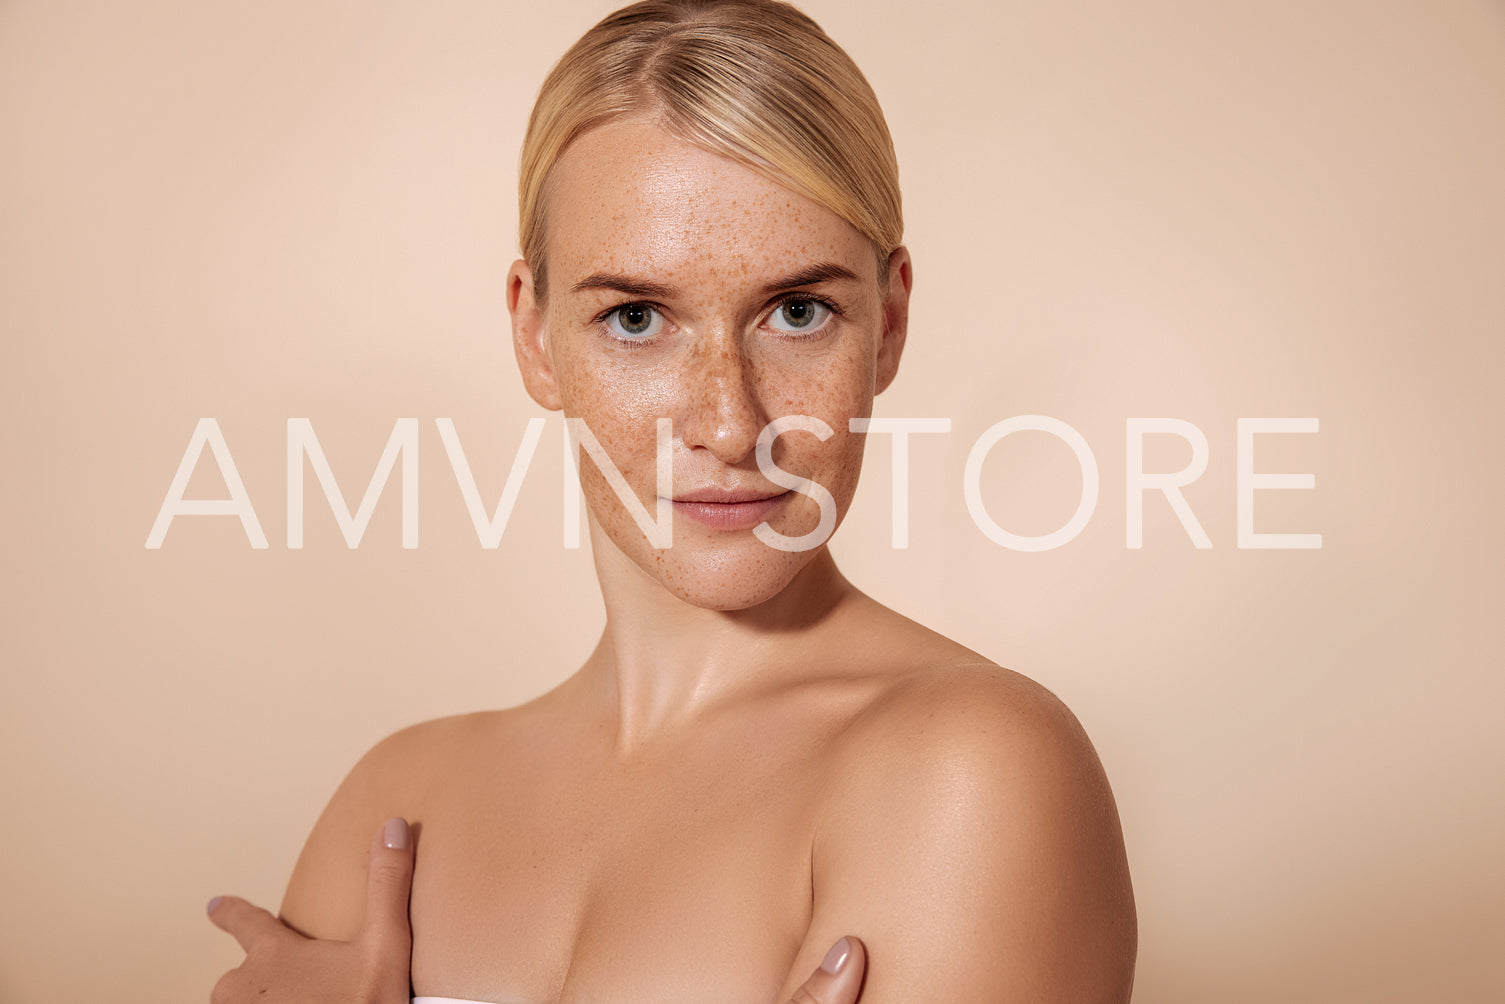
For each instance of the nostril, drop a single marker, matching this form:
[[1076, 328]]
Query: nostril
[[720, 398], [726, 424]]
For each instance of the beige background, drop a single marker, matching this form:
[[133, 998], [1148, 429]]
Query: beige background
[[1203, 210]]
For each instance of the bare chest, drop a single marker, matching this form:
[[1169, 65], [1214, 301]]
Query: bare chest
[[679, 882]]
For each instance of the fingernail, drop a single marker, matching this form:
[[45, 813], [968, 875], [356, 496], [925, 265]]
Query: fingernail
[[837, 956], [213, 903], [395, 834]]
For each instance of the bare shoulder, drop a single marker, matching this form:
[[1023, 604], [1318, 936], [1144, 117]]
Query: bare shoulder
[[326, 894], [971, 837], [933, 702], [971, 714], [978, 747]]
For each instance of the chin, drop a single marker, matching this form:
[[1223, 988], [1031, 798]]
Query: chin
[[737, 579], [709, 569], [725, 596]]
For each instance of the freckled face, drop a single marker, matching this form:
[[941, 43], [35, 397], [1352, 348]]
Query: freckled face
[[684, 285]]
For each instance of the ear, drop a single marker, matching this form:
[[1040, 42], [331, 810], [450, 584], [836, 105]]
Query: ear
[[895, 317], [530, 337]]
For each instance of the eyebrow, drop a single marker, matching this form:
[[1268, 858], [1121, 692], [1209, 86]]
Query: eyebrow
[[811, 275], [625, 284], [814, 275]]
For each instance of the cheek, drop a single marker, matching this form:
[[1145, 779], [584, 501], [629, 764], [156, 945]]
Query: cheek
[[619, 402], [834, 390], [611, 396], [843, 465]]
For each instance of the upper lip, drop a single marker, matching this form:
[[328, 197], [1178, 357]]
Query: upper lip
[[728, 495]]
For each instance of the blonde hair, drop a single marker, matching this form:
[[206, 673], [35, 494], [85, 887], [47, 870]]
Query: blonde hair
[[756, 81]]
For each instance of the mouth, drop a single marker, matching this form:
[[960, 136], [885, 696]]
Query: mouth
[[728, 509]]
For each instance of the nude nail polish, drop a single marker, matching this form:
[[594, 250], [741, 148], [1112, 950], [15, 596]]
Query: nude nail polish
[[395, 834], [837, 956]]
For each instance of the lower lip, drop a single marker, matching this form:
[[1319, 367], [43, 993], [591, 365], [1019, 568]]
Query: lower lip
[[729, 515]]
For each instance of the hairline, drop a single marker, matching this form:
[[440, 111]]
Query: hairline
[[657, 114]]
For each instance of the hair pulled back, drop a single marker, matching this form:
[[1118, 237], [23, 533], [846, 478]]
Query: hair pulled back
[[756, 81]]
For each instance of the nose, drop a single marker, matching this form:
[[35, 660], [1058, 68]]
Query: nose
[[721, 411]]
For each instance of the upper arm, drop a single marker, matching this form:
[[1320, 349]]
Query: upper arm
[[326, 895], [972, 842]]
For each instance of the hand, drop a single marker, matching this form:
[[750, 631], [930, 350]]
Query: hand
[[285, 967], [839, 978]]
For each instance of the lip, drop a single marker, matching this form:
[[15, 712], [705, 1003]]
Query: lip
[[728, 508], [718, 494]]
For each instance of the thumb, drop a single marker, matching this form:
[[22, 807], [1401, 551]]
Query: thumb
[[389, 880], [839, 978]]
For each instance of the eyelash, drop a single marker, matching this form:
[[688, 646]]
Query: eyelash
[[793, 297], [796, 297]]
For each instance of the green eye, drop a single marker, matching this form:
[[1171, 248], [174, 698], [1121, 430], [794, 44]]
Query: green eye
[[635, 321], [799, 315]]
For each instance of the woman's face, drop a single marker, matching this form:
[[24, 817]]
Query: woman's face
[[683, 285]]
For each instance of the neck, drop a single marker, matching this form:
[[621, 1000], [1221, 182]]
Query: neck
[[663, 662]]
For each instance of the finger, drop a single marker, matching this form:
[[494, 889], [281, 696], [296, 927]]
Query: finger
[[839, 978], [389, 880], [245, 922]]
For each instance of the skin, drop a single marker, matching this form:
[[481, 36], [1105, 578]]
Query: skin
[[757, 759]]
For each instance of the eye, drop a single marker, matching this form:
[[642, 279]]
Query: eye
[[799, 315], [634, 322]]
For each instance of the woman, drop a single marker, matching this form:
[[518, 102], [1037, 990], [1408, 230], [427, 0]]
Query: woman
[[757, 759]]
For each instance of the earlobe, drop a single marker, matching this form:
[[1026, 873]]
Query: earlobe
[[530, 337], [895, 317]]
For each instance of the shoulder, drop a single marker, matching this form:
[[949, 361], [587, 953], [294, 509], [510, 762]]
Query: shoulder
[[969, 816], [402, 760], [392, 777], [973, 732], [326, 894], [958, 700], [927, 689], [937, 716]]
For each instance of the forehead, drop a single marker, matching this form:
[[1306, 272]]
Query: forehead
[[629, 197]]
